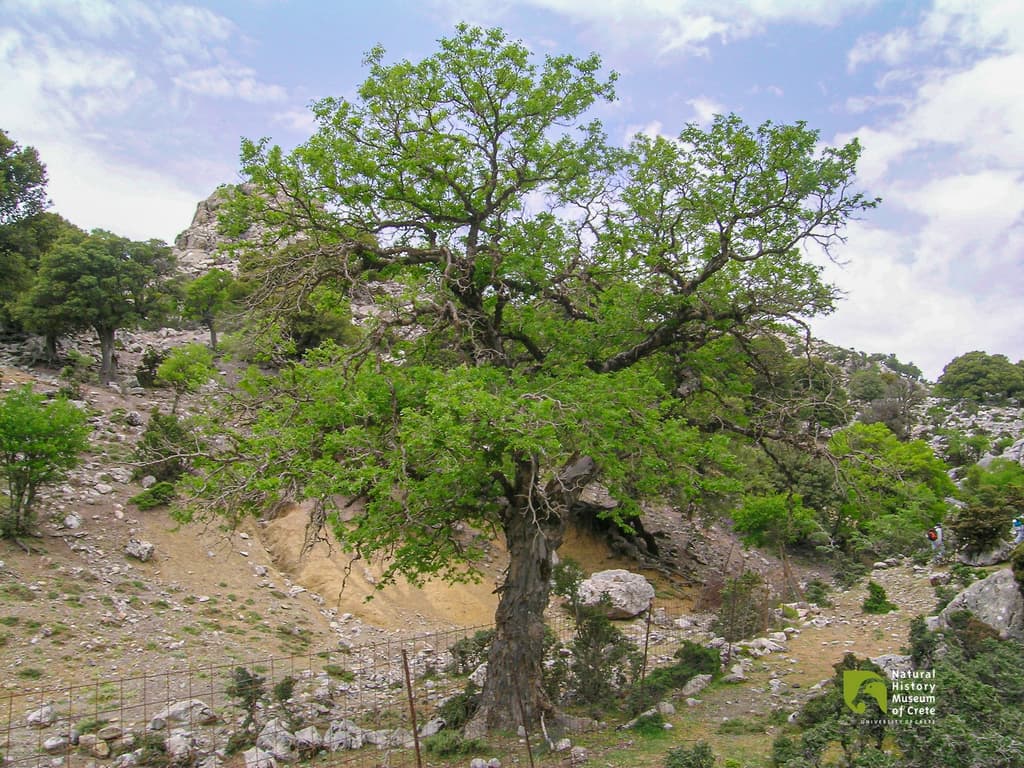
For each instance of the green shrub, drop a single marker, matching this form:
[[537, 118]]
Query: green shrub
[[650, 724], [1017, 563], [744, 612], [470, 652], [284, 688], [460, 708], [164, 447], [694, 659], [146, 372], [604, 663], [158, 495], [76, 373], [877, 601], [817, 593], [39, 443], [449, 743], [697, 756], [923, 643]]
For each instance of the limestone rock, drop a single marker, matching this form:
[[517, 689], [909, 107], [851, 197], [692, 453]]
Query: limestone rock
[[695, 685], [997, 601], [998, 554], [257, 758], [139, 549], [43, 717], [343, 734], [630, 594], [278, 741], [188, 712]]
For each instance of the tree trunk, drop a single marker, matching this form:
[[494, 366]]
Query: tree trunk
[[213, 335], [51, 347], [106, 354], [534, 526]]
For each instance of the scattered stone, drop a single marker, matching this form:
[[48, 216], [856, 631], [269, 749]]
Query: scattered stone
[[148, 481], [43, 717], [257, 758], [278, 741], [578, 756], [139, 549], [188, 712], [696, 684]]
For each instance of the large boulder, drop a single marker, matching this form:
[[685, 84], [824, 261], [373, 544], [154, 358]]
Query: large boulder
[[998, 554], [629, 594], [997, 601]]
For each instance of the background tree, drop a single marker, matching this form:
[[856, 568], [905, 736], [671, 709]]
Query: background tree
[[515, 354], [99, 281], [887, 492], [39, 442], [186, 369], [982, 378], [207, 297], [22, 181]]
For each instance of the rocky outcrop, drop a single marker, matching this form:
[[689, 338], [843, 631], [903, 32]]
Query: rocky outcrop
[[628, 594], [997, 601], [198, 248]]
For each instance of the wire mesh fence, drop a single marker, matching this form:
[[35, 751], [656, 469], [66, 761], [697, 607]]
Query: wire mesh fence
[[354, 707]]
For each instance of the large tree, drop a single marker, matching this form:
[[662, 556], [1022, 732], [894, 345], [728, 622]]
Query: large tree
[[537, 293], [98, 281]]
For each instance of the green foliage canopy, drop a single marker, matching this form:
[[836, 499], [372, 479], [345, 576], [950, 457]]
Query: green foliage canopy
[[186, 369], [22, 181], [39, 442], [982, 378]]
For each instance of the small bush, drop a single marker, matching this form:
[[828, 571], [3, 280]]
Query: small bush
[[817, 593], [1017, 563], [158, 495], [339, 672], [470, 652], [284, 688], [652, 724], [694, 659], [163, 447], [744, 608], [448, 743], [971, 632], [923, 643], [877, 601], [146, 372], [697, 756], [458, 710]]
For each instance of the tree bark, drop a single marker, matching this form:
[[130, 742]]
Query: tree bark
[[534, 526], [106, 354]]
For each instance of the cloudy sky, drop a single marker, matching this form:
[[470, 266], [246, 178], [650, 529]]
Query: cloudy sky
[[137, 108]]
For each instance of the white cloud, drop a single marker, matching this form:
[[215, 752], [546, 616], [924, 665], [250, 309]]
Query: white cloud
[[891, 48], [77, 173], [301, 121], [227, 82], [705, 109], [950, 167], [668, 26], [653, 129]]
